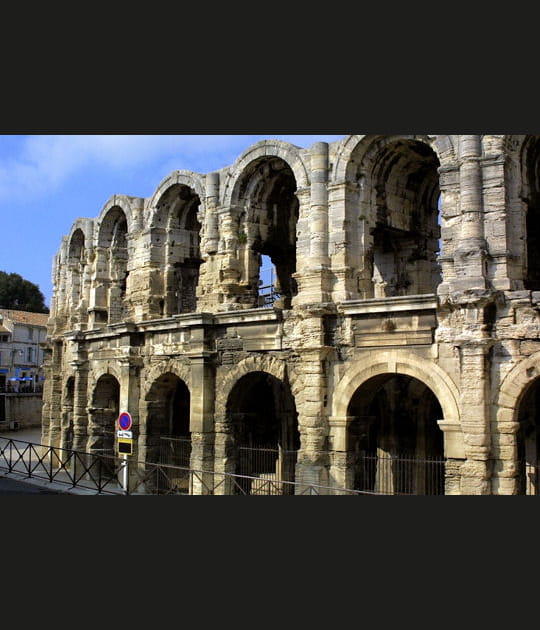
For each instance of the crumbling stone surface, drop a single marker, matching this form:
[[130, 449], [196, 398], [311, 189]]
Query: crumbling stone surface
[[402, 315]]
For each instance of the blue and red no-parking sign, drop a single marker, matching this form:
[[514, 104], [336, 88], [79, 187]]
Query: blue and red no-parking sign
[[125, 421]]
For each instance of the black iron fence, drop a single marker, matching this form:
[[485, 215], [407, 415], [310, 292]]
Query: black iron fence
[[402, 473], [258, 472]]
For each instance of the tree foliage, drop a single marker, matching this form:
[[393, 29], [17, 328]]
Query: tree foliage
[[20, 294]]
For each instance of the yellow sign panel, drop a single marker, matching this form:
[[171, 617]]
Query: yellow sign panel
[[125, 446]]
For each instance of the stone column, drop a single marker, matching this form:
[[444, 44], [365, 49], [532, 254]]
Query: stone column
[[227, 280], [471, 251], [475, 472], [202, 421], [211, 241], [339, 472], [80, 416], [312, 463], [53, 436], [314, 274]]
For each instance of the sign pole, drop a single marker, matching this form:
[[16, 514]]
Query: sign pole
[[125, 474], [125, 444]]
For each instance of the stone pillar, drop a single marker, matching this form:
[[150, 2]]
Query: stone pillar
[[207, 290], [340, 474], [80, 415], [211, 240], [129, 401], [227, 284], [202, 422], [52, 437], [475, 472], [471, 252], [224, 459], [312, 463], [313, 276]]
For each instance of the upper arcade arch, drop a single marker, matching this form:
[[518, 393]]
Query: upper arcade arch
[[289, 153], [116, 206], [193, 181]]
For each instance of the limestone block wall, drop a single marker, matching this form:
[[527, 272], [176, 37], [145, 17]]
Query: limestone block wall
[[406, 284]]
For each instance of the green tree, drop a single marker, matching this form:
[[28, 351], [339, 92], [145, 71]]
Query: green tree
[[20, 294]]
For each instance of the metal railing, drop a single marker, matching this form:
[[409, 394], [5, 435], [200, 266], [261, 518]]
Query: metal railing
[[402, 473], [102, 473]]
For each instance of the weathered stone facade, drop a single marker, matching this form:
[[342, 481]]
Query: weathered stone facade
[[408, 274]]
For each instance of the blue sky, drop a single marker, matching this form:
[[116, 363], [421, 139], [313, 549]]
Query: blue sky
[[48, 181]]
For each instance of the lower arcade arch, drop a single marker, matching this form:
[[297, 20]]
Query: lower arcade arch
[[263, 425], [394, 444], [103, 416], [168, 408], [528, 441]]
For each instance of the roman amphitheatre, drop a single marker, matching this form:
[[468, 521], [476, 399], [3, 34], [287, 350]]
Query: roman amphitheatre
[[359, 315]]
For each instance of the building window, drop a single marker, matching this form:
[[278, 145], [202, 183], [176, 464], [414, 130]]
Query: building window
[[30, 333], [30, 354]]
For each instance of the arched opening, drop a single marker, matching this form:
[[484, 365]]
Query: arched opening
[[400, 211], [76, 271], [531, 197], [267, 229], [176, 231], [394, 444], [168, 435], [264, 426], [104, 411], [111, 268], [528, 440]]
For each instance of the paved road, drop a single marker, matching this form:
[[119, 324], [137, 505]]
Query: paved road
[[14, 486], [8, 485]]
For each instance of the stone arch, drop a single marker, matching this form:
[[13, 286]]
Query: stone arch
[[122, 202], [287, 152], [103, 410], [261, 193], [174, 226], [192, 180], [512, 389], [345, 162], [260, 424], [515, 390], [392, 214], [273, 366], [111, 262], [398, 362], [157, 369], [387, 446]]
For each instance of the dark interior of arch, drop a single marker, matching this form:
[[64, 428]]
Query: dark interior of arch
[[532, 169], [271, 213], [264, 427], [113, 237], [168, 435], [178, 216], [395, 416], [405, 194], [76, 246], [105, 410]]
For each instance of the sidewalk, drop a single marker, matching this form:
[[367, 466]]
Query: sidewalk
[[33, 436]]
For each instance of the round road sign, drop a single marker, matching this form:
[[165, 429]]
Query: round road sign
[[124, 421]]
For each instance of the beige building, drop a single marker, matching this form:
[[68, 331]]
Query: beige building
[[394, 348], [21, 367]]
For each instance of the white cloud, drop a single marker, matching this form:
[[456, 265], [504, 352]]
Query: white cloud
[[44, 162]]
